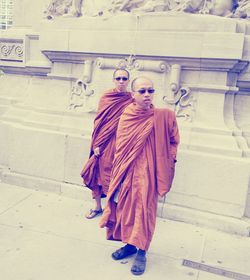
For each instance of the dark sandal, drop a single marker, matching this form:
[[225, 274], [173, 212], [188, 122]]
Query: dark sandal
[[139, 265], [93, 213], [123, 253]]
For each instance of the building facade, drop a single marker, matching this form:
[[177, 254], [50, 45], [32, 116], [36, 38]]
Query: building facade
[[6, 13]]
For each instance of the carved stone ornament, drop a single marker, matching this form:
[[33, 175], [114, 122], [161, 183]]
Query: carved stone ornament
[[56, 8], [151, 65], [75, 8], [243, 10], [133, 64], [80, 94], [108, 63], [11, 51], [183, 103]]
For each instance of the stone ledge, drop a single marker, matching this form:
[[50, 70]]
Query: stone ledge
[[205, 219], [65, 189], [147, 21], [165, 210]]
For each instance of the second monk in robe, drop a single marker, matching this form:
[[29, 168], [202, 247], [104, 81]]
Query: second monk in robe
[[96, 172]]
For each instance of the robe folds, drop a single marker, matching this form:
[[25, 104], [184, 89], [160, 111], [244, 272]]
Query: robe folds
[[96, 172], [143, 168]]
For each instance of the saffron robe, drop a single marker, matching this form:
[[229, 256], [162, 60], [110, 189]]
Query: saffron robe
[[143, 168], [96, 172]]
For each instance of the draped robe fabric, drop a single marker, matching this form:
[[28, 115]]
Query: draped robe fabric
[[96, 172], [143, 168]]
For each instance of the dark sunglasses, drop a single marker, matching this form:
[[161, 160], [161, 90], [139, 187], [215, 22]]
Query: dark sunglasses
[[143, 90], [121, 78]]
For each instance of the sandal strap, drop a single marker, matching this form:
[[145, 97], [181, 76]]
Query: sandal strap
[[95, 211], [139, 266], [92, 213], [123, 253]]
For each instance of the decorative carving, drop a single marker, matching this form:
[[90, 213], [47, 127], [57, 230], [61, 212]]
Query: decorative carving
[[80, 95], [183, 102], [154, 6], [174, 82], [107, 63], [179, 97], [57, 8], [151, 65], [175, 79], [243, 10], [11, 51], [226, 8], [87, 73], [64, 7], [145, 6], [78, 7], [215, 7], [193, 6], [19, 51], [132, 64], [120, 6]]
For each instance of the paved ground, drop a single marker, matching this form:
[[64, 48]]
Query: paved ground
[[44, 236]]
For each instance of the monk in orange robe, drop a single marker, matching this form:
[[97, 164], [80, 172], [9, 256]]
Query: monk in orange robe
[[96, 172], [143, 168]]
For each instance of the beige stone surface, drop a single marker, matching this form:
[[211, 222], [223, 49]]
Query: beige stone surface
[[199, 64], [46, 237]]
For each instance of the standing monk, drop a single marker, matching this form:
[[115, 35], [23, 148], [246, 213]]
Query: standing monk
[[96, 172], [143, 168]]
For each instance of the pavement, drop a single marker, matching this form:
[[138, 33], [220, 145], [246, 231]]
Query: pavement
[[44, 236]]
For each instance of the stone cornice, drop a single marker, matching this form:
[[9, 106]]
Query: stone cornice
[[206, 64], [26, 70]]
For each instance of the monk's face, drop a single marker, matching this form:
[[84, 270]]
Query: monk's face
[[121, 80], [143, 92]]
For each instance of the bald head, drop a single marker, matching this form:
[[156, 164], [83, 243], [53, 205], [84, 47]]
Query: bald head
[[136, 83], [142, 92]]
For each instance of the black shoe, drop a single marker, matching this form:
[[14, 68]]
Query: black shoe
[[139, 264], [124, 252]]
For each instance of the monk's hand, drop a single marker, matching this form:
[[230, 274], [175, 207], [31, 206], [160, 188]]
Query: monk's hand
[[97, 151]]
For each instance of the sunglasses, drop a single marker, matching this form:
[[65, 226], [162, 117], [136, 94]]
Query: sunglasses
[[121, 78], [143, 90]]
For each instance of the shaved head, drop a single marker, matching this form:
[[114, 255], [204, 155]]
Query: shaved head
[[138, 80], [142, 92], [121, 70]]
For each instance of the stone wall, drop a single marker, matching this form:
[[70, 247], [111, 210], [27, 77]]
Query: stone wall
[[55, 73]]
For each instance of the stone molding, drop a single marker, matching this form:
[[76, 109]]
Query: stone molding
[[12, 49]]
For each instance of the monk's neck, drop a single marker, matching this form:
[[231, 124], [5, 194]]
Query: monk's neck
[[121, 91], [144, 108]]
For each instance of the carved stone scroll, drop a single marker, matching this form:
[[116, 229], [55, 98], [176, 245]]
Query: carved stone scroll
[[13, 51], [107, 63], [183, 103], [80, 95], [87, 72], [243, 9], [151, 65], [174, 82]]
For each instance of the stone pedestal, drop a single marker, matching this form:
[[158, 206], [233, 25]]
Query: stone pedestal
[[200, 68]]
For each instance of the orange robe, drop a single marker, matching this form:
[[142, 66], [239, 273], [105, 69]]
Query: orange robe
[[96, 172], [143, 168]]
